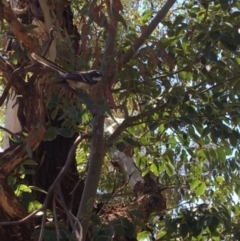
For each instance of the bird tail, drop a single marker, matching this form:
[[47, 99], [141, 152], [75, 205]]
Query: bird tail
[[49, 64]]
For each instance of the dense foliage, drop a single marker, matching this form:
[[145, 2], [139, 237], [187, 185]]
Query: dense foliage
[[176, 102]]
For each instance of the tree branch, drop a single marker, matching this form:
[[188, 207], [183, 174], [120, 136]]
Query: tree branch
[[146, 33], [50, 40], [18, 29], [69, 160], [48, 26], [95, 165], [97, 147], [9, 132], [108, 58], [16, 154], [130, 120], [10, 83], [71, 217]]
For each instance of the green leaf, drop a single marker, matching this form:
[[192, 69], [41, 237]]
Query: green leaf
[[189, 5], [64, 132], [24, 188], [202, 222], [186, 120], [29, 171], [95, 231], [169, 169], [195, 229], [161, 234], [130, 230], [153, 126], [51, 134], [179, 19], [29, 151], [215, 35], [108, 231], [49, 235], [185, 76], [154, 169], [233, 140], [102, 238], [184, 230], [30, 162], [220, 179], [221, 154], [143, 236], [206, 131], [219, 104], [195, 184], [214, 224], [30, 26], [201, 189], [34, 205], [228, 45], [54, 113], [136, 214], [146, 15], [37, 189], [185, 47]]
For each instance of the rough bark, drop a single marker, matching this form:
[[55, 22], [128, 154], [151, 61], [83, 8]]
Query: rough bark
[[33, 113]]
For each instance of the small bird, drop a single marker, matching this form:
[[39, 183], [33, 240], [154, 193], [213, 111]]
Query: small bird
[[77, 79]]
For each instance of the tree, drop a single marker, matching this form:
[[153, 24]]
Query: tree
[[149, 152]]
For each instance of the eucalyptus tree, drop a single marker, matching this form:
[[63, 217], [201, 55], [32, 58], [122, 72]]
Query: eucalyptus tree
[[149, 152]]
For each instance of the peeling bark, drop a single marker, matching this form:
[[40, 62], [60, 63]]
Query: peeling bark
[[32, 109], [11, 120], [146, 190], [126, 164]]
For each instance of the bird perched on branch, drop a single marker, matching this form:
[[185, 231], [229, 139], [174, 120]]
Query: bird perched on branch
[[77, 79]]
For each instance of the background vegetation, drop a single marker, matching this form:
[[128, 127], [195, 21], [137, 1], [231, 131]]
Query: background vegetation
[[149, 153]]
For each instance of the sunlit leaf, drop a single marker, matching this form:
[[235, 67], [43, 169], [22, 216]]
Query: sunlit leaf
[[146, 15], [195, 184], [142, 236], [169, 169], [200, 189]]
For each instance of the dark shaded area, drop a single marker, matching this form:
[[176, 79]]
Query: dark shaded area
[[20, 232], [51, 157], [150, 197]]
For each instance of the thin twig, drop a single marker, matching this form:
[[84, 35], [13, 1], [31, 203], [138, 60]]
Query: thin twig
[[51, 38], [23, 219], [9, 132], [79, 237], [70, 216], [60, 177], [52, 187], [218, 84], [70, 158], [41, 235], [55, 219]]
